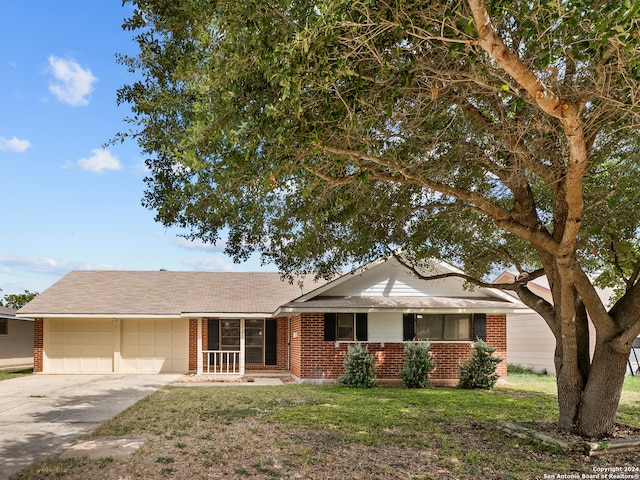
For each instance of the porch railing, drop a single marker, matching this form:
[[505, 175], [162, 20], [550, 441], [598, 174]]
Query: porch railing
[[221, 362]]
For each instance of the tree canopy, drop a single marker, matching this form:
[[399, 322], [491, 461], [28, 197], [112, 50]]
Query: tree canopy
[[489, 134], [17, 300]]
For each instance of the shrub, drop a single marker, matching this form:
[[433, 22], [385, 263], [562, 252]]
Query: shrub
[[359, 368], [480, 370], [418, 363]]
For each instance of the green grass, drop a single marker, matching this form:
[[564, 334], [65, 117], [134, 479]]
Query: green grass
[[333, 432], [16, 372]]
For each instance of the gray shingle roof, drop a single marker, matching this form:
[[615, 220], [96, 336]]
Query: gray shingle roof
[[116, 292], [6, 312]]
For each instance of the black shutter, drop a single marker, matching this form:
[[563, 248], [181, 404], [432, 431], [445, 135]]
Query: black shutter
[[408, 327], [213, 334], [361, 327], [270, 346], [330, 325], [480, 326]]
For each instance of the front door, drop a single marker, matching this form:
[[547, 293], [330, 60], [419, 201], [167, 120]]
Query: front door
[[254, 341]]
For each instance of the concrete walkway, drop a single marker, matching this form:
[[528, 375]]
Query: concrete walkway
[[41, 415]]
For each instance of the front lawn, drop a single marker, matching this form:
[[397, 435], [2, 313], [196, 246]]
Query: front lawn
[[303, 431], [15, 372]]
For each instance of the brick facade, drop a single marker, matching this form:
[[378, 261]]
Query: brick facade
[[313, 359], [497, 338], [193, 344], [38, 345]]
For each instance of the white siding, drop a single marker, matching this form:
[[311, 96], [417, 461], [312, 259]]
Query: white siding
[[390, 279], [531, 344], [16, 348]]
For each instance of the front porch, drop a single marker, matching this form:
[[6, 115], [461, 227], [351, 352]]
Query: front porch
[[232, 347]]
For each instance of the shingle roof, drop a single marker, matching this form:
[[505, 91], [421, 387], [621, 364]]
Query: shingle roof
[[6, 312], [116, 292]]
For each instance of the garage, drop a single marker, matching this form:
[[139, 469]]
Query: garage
[[99, 345], [79, 345], [155, 345]]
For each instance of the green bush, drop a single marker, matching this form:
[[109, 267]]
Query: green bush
[[418, 363], [359, 368], [480, 370]]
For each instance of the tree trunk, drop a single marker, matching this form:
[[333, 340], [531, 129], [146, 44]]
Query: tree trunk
[[597, 411], [570, 390]]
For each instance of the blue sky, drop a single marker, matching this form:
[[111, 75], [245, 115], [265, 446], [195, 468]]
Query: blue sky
[[68, 203]]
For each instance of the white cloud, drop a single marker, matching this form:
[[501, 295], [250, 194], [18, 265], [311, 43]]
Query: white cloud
[[72, 84], [211, 264], [100, 161], [48, 265], [199, 245], [14, 144]]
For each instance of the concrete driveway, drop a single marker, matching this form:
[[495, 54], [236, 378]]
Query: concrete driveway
[[41, 415]]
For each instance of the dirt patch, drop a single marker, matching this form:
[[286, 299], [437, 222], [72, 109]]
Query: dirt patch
[[258, 450]]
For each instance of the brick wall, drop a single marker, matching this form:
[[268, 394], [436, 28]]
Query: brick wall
[[314, 359], [38, 344], [193, 344], [497, 338]]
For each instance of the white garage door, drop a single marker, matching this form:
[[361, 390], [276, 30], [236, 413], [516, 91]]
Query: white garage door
[[88, 345], [79, 345], [154, 345]]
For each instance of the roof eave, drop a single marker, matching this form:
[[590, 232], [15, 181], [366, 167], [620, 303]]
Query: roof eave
[[292, 310]]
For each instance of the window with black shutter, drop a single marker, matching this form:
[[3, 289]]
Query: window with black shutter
[[345, 327]]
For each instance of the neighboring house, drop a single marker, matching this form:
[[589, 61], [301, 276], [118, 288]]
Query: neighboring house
[[531, 344], [16, 339], [230, 322]]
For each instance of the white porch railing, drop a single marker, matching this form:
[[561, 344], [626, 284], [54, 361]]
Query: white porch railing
[[221, 362]]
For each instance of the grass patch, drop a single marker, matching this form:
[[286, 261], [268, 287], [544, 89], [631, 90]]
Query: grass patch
[[14, 373], [305, 431]]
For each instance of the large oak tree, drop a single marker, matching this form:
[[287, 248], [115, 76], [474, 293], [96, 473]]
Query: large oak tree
[[487, 133]]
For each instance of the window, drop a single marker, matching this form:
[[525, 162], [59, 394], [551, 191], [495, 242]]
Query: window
[[345, 327], [4, 326], [436, 327]]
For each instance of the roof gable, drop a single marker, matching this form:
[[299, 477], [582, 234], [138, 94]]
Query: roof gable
[[387, 284], [389, 278]]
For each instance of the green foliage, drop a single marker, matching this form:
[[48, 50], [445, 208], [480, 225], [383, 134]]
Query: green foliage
[[243, 108], [359, 368], [418, 363], [480, 370], [489, 139], [18, 300]]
